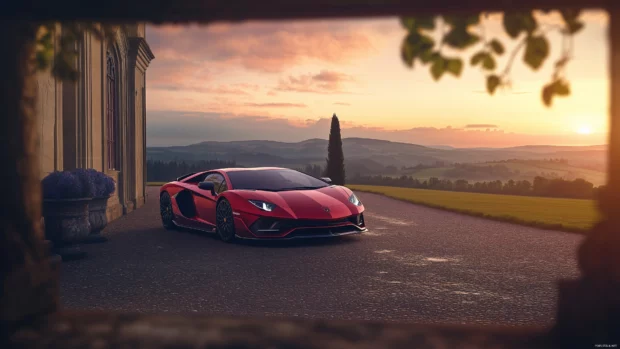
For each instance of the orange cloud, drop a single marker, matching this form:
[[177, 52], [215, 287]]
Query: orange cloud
[[269, 46], [323, 82], [276, 105], [481, 126]]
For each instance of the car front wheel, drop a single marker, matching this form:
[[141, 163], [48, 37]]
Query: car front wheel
[[225, 221], [165, 209]]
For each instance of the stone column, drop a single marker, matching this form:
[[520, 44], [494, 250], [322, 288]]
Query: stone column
[[589, 308], [29, 284], [140, 56]]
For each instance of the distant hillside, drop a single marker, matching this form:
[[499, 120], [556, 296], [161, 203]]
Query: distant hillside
[[371, 156]]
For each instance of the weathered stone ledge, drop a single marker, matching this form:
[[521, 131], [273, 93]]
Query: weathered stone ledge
[[121, 330]]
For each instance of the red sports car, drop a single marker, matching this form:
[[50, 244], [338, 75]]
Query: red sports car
[[260, 203]]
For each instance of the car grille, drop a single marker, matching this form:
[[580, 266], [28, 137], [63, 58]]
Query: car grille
[[316, 232], [270, 226]]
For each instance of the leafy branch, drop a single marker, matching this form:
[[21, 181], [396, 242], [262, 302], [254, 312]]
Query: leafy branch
[[532, 43], [60, 57]]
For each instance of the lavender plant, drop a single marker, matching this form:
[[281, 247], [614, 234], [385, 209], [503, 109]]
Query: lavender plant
[[87, 181], [104, 184], [61, 185]]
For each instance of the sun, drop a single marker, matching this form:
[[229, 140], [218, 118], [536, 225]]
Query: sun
[[584, 130]]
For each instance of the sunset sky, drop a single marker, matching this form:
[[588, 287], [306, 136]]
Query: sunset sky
[[283, 80]]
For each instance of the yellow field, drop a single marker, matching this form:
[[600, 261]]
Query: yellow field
[[558, 214]]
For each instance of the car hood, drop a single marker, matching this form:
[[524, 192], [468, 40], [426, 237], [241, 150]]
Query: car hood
[[325, 203]]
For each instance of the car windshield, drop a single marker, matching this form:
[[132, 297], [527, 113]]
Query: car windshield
[[274, 180]]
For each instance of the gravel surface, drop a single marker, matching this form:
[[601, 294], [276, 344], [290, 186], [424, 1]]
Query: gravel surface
[[415, 264]]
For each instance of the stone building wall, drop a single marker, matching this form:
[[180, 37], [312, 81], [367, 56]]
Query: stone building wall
[[73, 126]]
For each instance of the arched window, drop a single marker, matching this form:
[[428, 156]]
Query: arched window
[[112, 112]]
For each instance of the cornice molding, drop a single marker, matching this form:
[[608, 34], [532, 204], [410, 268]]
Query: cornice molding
[[140, 53]]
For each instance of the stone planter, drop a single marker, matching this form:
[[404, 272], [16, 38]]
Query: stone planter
[[66, 221], [97, 214]]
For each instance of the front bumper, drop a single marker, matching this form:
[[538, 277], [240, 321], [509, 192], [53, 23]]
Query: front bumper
[[317, 235], [266, 228]]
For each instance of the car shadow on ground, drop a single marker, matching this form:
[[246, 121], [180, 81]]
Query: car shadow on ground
[[336, 240]]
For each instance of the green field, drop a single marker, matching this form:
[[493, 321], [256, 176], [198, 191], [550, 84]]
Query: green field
[[526, 171], [550, 213]]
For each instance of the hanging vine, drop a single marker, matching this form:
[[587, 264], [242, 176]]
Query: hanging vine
[[532, 44], [56, 45]]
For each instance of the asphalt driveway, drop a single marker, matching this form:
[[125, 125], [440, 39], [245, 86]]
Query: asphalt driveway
[[416, 264]]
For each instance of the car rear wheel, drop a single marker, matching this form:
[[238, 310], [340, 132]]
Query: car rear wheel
[[225, 221], [165, 209]]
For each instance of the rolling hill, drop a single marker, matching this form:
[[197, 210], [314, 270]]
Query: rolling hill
[[371, 156]]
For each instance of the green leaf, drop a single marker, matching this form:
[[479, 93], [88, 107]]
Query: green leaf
[[426, 22], [488, 62], [407, 53], [44, 58], [408, 23], [555, 88], [570, 14], [477, 58], [454, 66], [493, 82], [416, 45], [547, 94], [461, 21], [485, 59], [574, 27], [517, 22], [428, 56], [571, 18], [536, 51], [415, 23], [561, 88], [497, 47], [438, 68], [460, 38]]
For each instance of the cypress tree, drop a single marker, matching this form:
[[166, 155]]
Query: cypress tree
[[335, 156]]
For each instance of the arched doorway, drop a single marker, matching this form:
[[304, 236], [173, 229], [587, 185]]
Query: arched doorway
[[112, 113]]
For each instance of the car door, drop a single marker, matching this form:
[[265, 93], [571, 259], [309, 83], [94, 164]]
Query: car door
[[206, 201]]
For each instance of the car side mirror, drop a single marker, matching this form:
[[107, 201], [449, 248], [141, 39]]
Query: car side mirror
[[326, 180], [207, 186]]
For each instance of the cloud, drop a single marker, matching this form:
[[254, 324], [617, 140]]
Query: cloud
[[271, 46], [342, 103], [323, 82], [165, 128], [218, 90], [276, 105], [481, 126]]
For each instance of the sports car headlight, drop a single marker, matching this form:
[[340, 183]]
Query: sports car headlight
[[265, 206], [354, 200]]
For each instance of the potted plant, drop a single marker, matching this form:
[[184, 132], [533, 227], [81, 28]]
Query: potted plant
[[104, 187], [66, 195]]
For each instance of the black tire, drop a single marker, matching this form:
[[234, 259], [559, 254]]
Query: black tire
[[225, 221], [165, 210]]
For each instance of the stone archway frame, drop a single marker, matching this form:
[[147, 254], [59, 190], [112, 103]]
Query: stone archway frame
[[22, 265], [119, 51]]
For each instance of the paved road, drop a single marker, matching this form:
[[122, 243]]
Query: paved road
[[416, 264]]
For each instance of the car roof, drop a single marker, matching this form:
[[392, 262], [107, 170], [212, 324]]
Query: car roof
[[237, 169], [226, 170]]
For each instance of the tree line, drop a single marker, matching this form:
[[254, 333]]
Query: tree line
[[165, 171], [545, 187], [161, 171]]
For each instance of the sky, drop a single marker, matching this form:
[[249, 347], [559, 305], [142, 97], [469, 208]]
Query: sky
[[283, 80]]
